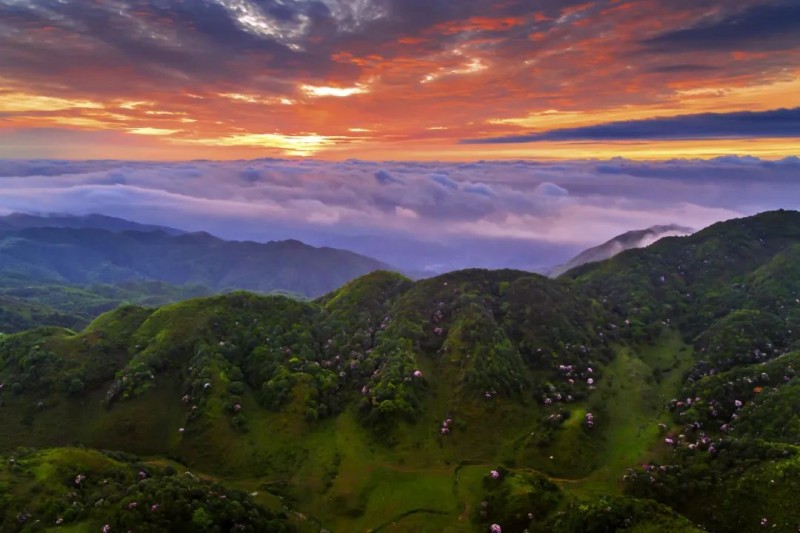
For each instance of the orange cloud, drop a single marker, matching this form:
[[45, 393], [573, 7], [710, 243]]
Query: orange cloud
[[408, 84]]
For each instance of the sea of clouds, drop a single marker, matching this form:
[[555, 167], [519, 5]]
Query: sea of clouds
[[431, 216]]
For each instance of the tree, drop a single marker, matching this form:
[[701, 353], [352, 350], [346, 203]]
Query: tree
[[202, 519], [75, 387]]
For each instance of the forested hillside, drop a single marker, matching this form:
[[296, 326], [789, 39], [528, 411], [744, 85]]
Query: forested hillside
[[89, 255], [655, 391]]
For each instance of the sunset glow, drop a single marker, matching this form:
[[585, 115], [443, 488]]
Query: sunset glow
[[388, 79]]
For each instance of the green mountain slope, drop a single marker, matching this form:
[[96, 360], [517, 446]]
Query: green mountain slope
[[655, 391], [115, 492], [697, 279], [81, 256], [620, 243], [732, 290]]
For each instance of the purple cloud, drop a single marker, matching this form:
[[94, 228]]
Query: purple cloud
[[446, 215], [744, 124], [771, 26]]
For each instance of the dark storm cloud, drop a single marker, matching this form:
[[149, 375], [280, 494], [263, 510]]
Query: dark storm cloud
[[773, 26], [746, 124]]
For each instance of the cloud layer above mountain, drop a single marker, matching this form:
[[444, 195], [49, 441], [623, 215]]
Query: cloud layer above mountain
[[416, 215]]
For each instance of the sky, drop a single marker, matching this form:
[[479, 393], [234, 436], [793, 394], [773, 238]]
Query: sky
[[391, 80], [431, 134]]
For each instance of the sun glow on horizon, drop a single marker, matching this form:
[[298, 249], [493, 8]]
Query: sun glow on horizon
[[295, 145]]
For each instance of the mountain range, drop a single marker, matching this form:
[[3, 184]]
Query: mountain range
[[98, 249], [653, 391], [17, 221]]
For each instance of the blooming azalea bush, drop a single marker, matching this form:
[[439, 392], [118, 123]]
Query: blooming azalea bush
[[515, 501]]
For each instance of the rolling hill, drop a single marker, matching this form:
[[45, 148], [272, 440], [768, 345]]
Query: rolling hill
[[654, 391]]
